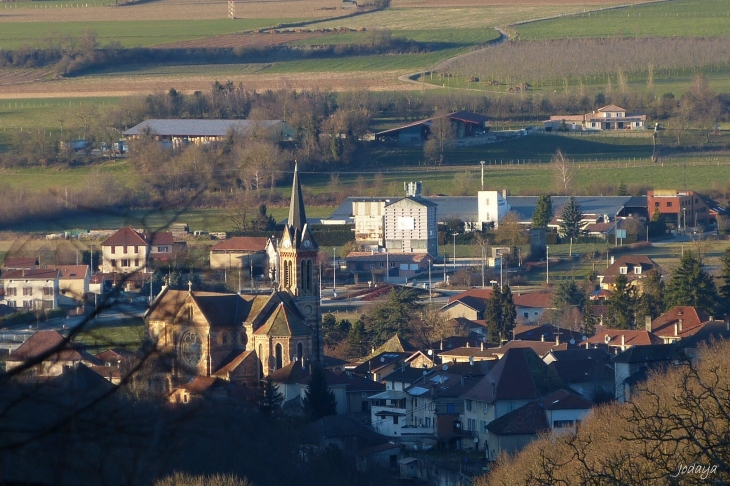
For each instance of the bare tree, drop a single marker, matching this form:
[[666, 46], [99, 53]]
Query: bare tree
[[563, 172]]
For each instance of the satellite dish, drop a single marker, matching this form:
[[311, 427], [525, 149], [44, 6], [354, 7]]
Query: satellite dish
[[445, 367], [471, 360], [583, 338], [572, 341], [382, 359], [425, 372], [430, 352], [476, 440], [607, 339]]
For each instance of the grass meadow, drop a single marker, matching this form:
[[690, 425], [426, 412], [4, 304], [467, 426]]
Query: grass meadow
[[141, 33], [678, 18]]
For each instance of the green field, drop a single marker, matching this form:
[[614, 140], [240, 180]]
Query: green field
[[447, 37], [125, 333], [681, 18], [143, 33], [45, 114]]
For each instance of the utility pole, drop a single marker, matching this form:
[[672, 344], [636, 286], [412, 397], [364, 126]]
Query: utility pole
[[334, 271], [430, 293], [482, 164], [547, 264]]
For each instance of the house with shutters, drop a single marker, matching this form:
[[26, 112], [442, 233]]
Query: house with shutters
[[129, 251], [610, 117], [73, 283], [633, 267], [34, 289]]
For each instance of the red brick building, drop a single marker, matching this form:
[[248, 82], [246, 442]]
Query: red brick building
[[681, 208]]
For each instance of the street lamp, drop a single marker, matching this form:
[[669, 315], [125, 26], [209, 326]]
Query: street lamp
[[334, 271], [482, 163], [454, 235], [547, 263]]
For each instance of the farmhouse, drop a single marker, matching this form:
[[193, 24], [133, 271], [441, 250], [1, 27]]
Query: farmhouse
[[463, 124], [246, 253], [609, 117], [179, 133], [129, 251]]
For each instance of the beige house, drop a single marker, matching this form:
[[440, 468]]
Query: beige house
[[609, 117], [244, 252], [49, 355], [29, 289], [129, 251], [411, 226], [73, 283]]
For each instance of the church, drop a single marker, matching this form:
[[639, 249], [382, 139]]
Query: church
[[243, 337]]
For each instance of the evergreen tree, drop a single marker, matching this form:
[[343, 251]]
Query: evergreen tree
[[691, 285], [319, 401], [725, 282], [620, 312], [569, 295], [357, 345], [393, 316], [334, 332], [543, 212], [589, 320], [651, 301], [270, 398], [622, 189], [493, 314], [571, 218], [509, 313]]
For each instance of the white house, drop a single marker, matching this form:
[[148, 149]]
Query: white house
[[492, 207], [29, 289]]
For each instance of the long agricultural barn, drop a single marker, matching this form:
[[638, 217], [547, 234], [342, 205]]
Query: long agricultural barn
[[182, 132], [463, 123]]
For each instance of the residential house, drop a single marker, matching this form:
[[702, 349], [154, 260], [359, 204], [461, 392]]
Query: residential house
[[588, 372], [518, 378], [530, 307], [49, 354], [632, 367], [19, 263], [540, 348], [411, 226], [619, 340], [677, 323], [130, 251], [633, 267], [468, 354], [341, 431], [470, 304], [211, 388], [247, 253], [565, 410], [176, 133], [381, 365], [34, 289], [73, 284], [610, 117]]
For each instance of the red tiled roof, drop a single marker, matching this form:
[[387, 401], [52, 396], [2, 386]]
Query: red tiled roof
[[42, 342], [599, 227], [692, 321], [19, 262], [160, 238], [468, 351], [70, 271], [538, 300], [631, 338], [199, 384], [610, 108], [242, 243], [125, 237], [540, 348], [39, 273], [545, 332], [482, 294]]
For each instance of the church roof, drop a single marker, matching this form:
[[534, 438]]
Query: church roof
[[232, 361], [219, 309], [297, 216], [284, 322]]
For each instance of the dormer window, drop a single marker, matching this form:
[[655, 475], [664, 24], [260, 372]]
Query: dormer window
[[624, 270], [637, 270]]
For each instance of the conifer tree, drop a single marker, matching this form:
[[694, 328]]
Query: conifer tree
[[357, 345], [509, 313], [620, 312], [724, 289], [493, 314], [543, 212], [319, 401], [571, 218], [270, 398], [691, 285]]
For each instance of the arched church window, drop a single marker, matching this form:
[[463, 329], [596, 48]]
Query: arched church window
[[286, 274], [303, 283], [279, 356], [309, 275]]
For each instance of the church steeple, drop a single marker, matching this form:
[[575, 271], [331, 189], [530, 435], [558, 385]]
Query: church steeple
[[297, 216]]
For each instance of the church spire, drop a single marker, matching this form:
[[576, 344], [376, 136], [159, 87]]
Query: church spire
[[297, 216]]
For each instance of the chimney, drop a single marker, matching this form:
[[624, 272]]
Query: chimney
[[467, 344], [623, 342], [442, 345], [482, 346], [727, 322], [542, 338], [613, 259], [647, 321], [504, 194], [681, 324], [675, 329]]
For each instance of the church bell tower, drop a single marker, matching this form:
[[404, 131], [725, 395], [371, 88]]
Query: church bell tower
[[298, 264]]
